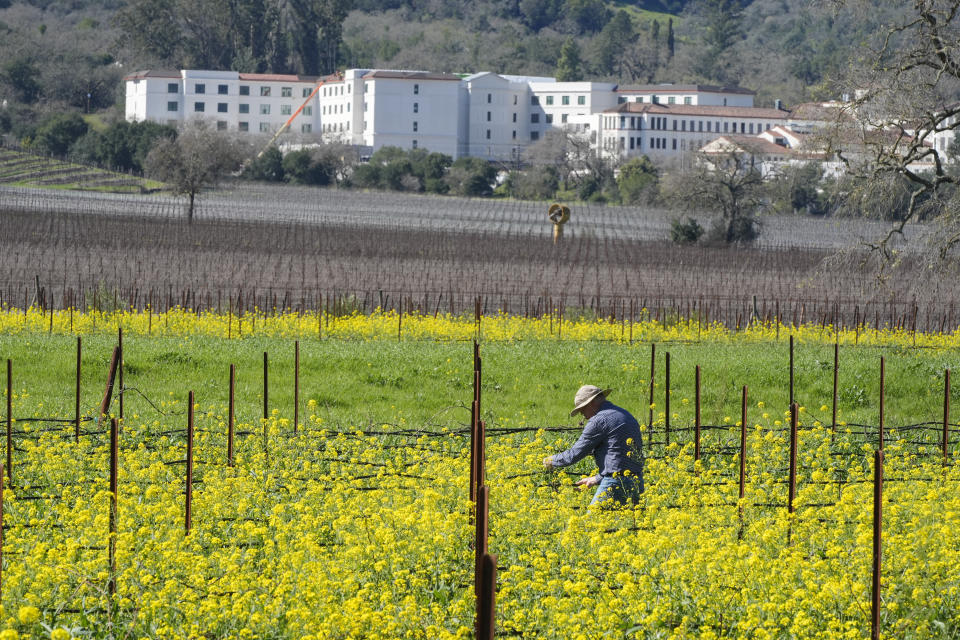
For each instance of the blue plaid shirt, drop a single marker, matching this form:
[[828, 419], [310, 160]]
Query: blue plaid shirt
[[605, 436]]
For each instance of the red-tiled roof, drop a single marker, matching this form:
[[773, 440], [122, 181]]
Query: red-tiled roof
[[700, 110]]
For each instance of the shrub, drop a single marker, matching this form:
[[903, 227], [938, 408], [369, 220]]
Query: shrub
[[688, 232]]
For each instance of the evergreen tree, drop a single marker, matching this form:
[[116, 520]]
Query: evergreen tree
[[569, 66], [671, 41]]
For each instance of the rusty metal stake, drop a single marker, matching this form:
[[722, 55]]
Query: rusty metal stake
[[666, 395], [120, 369], [482, 523], [791, 370], [76, 420], [296, 385], [188, 507], [486, 602], [946, 415], [266, 391], [792, 491], [10, 420], [114, 463], [882, 398], [877, 543], [230, 416], [111, 377], [696, 423], [743, 445], [653, 371], [836, 377]]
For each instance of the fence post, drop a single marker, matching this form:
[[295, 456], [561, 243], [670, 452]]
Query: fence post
[[112, 533], [877, 542], [791, 370], [120, 370], [836, 373], [230, 416], [946, 415], [882, 398], [666, 395], [792, 491], [296, 385], [10, 420], [188, 507], [486, 603], [653, 371], [743, 444], [111, 376], [696, 423], [482, 524], [76, 422]]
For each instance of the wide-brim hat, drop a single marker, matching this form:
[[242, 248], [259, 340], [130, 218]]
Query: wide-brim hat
[[585, 396]]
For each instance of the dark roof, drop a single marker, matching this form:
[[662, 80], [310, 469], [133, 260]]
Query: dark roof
[[683, 88], [702, 110], [411, 75], [139, 75], [276, 77]]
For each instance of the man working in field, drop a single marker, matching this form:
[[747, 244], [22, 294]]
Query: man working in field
[[612, 435]]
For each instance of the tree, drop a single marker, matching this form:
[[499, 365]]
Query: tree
[[899, 125], [58, 132], [588, 15], [721, 22], [569, 67], [728, 184], [637, 180], [196, 159], [267, 167], [23, 76], [615, 38], [302, 167]]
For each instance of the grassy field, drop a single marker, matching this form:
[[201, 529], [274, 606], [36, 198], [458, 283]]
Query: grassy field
[[22, 169], [359, 526]]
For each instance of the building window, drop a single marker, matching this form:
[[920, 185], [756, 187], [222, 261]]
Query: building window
[[514, 99], [306, 128], [564, 99], [415, 126], [683, 125], [198, 107], [489, 116], [549, 100], [655, 99], [563, 118], [638, 99], [687, 100], [416, 89], [222, 89], [726, 126], [549, 118], [514, 134], [286, 109], [286, 92], [308, 110], [244, 90], [751, 127], [173, 87], [306, 92], [581, 100], [244, 108], [264, 109], [171, 106], [264, 127], [514, 117], [264, 91], [415, 145], [674, 125], [535, 100], [701, 126], [489, 98], [243, 126], [364, 107], [221, 125], [488, 134], [416, 107], [621, 99], [672, 100], [199, 88], [221, 107], [534, 118], [674, 144], [534, 135]]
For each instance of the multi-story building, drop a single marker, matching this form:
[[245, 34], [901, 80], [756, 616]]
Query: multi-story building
[[484, 115], [244, 102]]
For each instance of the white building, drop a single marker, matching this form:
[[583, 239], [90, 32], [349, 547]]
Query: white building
[[245, 102], [670, 131], [484, 115]]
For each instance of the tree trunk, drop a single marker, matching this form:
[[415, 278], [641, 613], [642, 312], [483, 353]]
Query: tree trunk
[[193, 195]]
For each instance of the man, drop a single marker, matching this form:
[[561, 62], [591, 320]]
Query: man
[[612, 435]]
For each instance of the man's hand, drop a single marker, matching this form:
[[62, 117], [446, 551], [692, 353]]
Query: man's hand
[[586, 483], [548, 462]]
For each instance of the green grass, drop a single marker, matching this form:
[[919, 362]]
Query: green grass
[[428, 384], [26, 170]]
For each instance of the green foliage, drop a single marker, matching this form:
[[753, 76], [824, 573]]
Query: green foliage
[[471, 177], [123, 146], [267, 167], [303, 167], [58, 132], [688, 232], [638, 180], [23, 76], [569, 66], [536, 183]]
